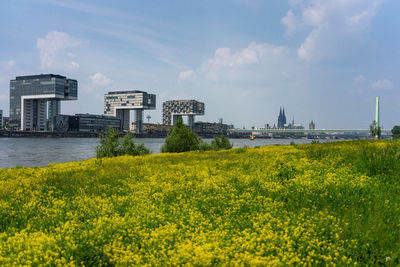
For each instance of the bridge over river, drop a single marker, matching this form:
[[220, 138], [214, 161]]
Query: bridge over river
[[308, 132]]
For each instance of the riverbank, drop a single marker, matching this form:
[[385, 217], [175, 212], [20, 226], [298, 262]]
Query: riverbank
[[35, 152], [316, 204]]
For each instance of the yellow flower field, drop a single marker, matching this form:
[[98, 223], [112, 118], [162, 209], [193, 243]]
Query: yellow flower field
[[317, 204]]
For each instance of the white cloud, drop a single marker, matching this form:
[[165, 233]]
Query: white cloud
[[7, 64], [331, 24], [11, 63], [74, 65], [100, 79], [185, 75], [52, 45], [253, 54], [359, 79], [382, 84], [290, 21], [3, 97]]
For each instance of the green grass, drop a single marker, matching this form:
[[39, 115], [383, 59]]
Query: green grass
[[318, 204]]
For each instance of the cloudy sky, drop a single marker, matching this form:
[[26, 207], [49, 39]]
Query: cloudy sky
[[323, 60]]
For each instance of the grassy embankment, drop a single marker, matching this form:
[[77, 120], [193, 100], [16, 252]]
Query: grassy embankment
[[318, 204]]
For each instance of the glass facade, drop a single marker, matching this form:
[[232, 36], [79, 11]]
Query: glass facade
[[85, 123], [46, 87]]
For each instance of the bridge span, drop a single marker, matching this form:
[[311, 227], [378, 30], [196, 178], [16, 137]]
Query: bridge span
[[357, 132]]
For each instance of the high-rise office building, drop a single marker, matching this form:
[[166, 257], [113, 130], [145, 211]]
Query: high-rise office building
[[119, 104], [32, 96], [174, 109], [1, 118]]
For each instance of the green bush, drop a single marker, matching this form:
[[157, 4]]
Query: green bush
[[109, 144], [130, 148], [112, 146], [396, 132], [221, 142], [181, 139]]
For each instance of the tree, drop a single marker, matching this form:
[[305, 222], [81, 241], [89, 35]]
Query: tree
[[129, 147], [396, 132], [181, 139], [112, 146], [221, 142], [375, 131], [109, 144]]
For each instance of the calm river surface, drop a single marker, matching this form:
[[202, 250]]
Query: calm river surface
[[33, 152]]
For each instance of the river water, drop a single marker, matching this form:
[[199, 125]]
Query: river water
[[34, 152]]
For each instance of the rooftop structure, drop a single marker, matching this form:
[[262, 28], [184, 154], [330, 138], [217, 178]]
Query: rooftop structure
[[119, 104], [35, 99], [174, 109]]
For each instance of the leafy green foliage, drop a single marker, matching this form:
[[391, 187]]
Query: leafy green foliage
[[181, 139], [396, 132], [375, 131], [109, 144], [129, 147], [112, 146], [221, 142]]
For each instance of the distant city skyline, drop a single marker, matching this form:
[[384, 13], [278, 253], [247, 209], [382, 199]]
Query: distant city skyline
[[323, 60]]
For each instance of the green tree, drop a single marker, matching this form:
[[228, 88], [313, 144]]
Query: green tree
[[181, 139], [129, 147], [375, 131], [221, 142], [111, 145], [396, 132]]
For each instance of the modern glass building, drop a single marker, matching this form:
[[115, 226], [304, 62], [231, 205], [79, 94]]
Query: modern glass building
[[85, 123], [174, 109], [119, 104], [35, 99]]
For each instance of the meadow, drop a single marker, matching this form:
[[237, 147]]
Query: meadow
[[319, 204]]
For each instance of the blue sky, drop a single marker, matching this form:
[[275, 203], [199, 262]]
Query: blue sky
[[323, 60]]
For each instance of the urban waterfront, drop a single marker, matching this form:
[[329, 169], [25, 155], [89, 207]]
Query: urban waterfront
[[35, 152]]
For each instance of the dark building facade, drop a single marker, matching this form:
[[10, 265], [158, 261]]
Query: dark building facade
[[85, 123], [212, 128], [35, 99], [281, 118]]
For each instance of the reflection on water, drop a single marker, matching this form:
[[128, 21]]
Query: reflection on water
[[33, 152]]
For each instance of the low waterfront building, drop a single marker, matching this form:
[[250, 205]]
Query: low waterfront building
[[86, 123], [211, 128]]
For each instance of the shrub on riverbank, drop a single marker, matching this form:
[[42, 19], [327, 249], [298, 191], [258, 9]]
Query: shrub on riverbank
[[279, 205], [111, 145], [182, 139]]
